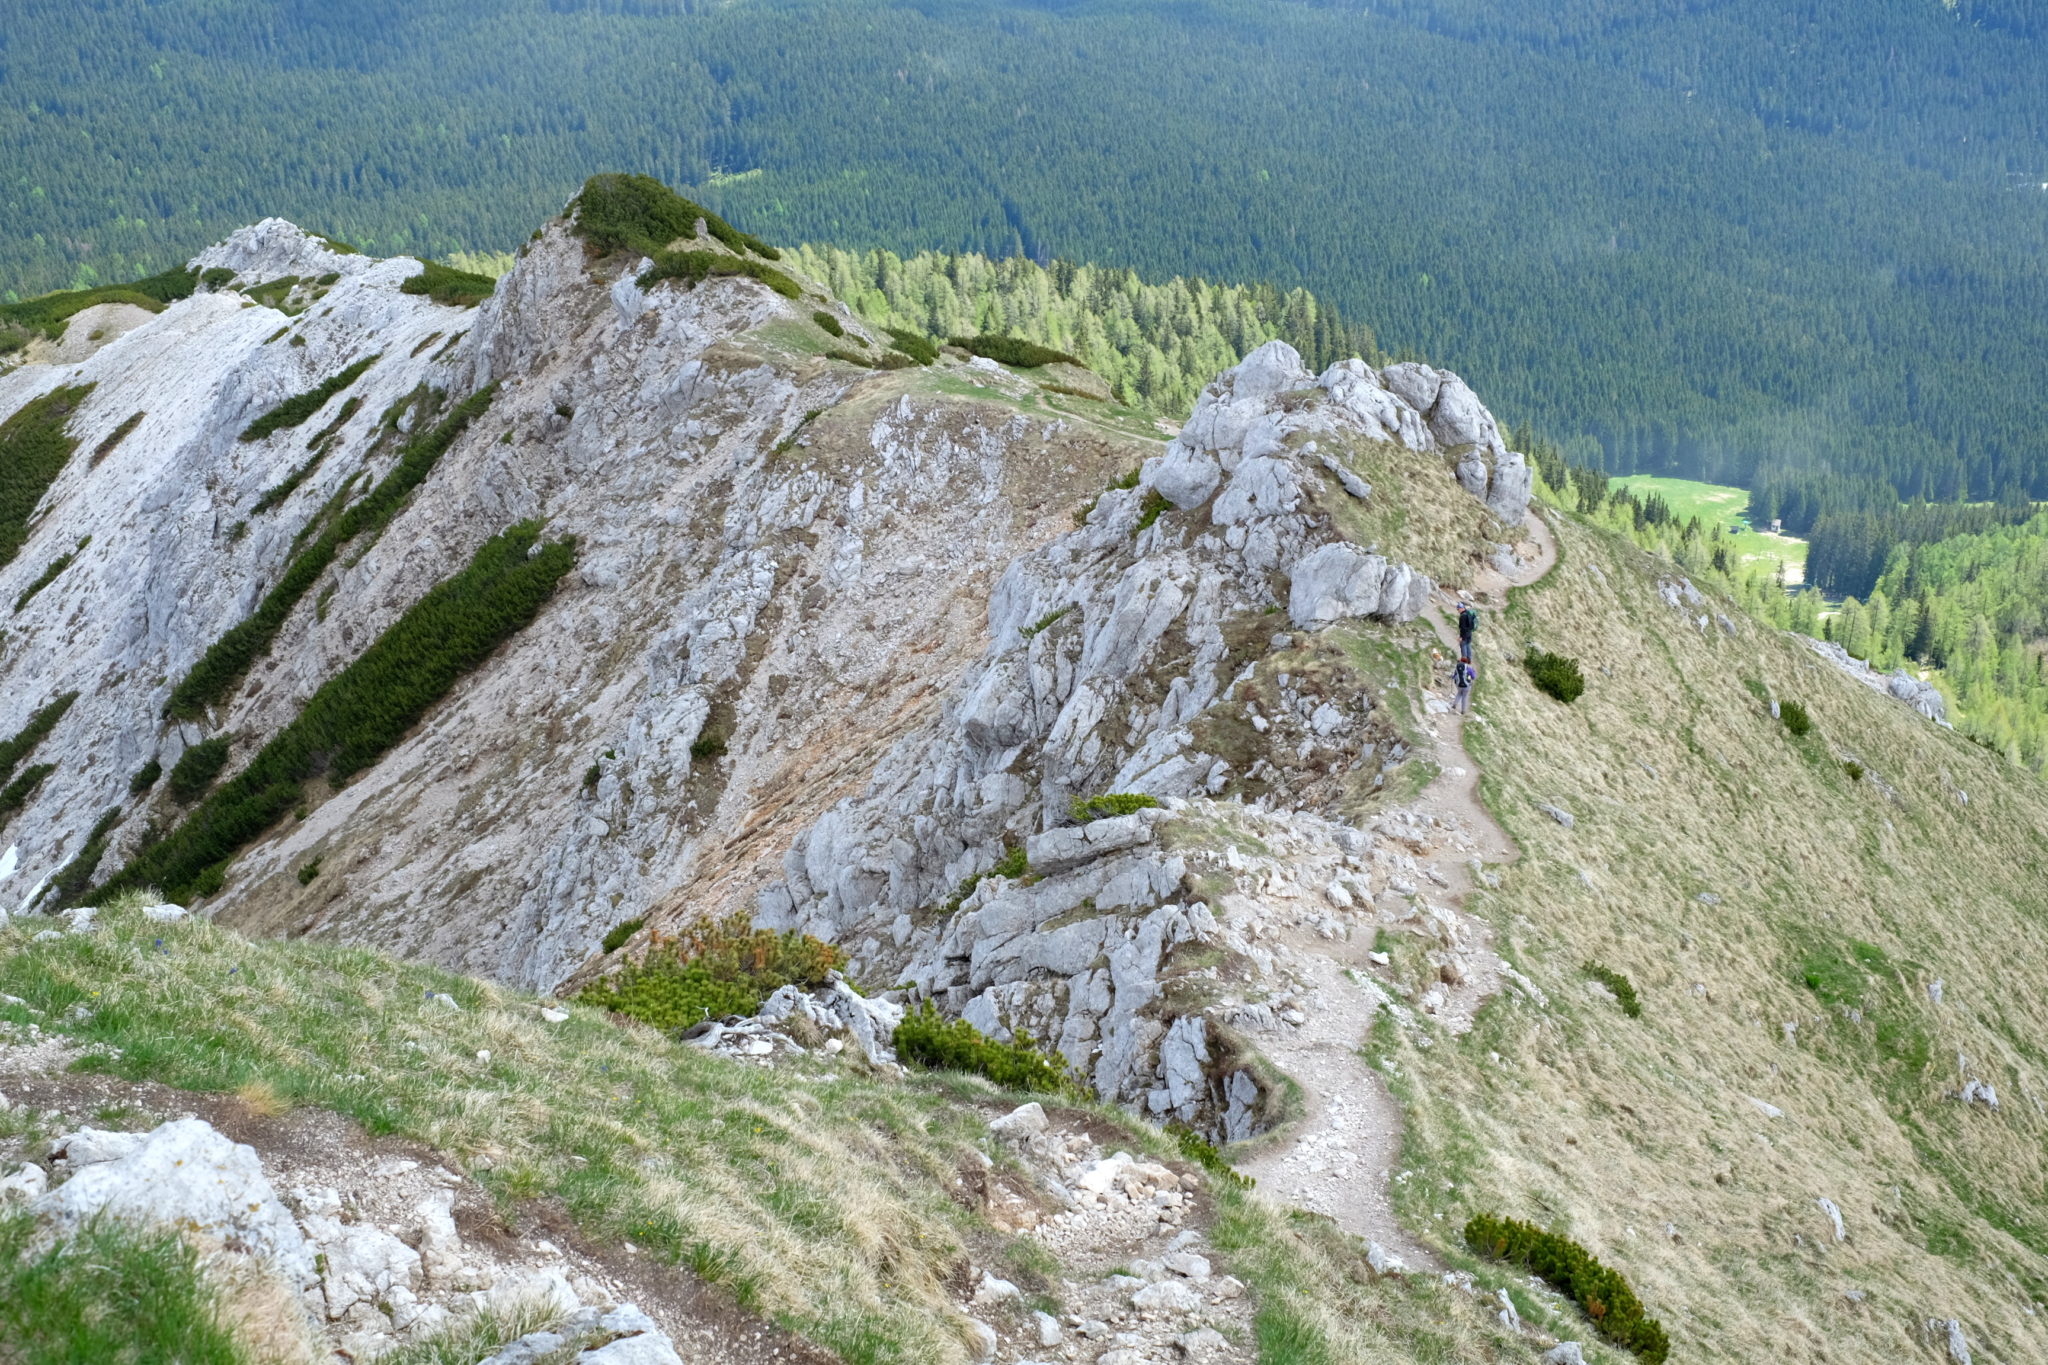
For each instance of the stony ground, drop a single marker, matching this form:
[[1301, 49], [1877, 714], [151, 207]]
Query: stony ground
[[1338, 1158]]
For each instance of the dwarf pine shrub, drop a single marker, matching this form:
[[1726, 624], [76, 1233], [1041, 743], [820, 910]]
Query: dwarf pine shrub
[[228, 659], [446, 284], [75, 876], [15, 794], [1624, 989], [1573, 1271], [693, 267], [197, 767], [34, 447], [639, 213], [916, 345], [296, 409], [362, 711], [145, 777], [49, 313], [23, 741], [931, 1040], [615, 937], [1025, 355], [712, 970], [1794, 717], [831, 324], [1112, 803], [1555, 675], [45, 578], [1044, 621], [116, 436]]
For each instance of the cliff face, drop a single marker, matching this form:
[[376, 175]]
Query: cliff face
[[836, 635]]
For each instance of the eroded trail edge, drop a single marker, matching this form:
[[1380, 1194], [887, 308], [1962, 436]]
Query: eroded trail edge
[[1340, 1155]]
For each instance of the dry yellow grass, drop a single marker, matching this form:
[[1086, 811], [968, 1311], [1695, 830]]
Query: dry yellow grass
[[1719, 862]]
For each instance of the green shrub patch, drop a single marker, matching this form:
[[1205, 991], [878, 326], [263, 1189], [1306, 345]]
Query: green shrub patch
[[228, 659], [831, 324], [639, 213], [446, 284], [47, 576], [693, 267], [713, 970], [15, 794], [34, 446], [71, 882], [1572, 1270], [616, 936], [917, 346], [49, 314], [363, 710], [1554, 675], [24, 740], [295, 410], [1624, 989], [145, 777], [1114, 803], [1025, 355], [929, 1039], [116, 436], [197, 767], [1793, 716]]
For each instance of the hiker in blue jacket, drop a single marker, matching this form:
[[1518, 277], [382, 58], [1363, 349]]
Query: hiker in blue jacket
[[1461, 678]]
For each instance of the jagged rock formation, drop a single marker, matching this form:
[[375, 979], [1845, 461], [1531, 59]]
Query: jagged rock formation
[[832, 642]]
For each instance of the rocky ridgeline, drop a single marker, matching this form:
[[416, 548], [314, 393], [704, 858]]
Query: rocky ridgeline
[[1112, 652], [832, 643]]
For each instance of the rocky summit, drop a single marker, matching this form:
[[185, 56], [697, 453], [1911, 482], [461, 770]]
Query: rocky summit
[[628, 814]]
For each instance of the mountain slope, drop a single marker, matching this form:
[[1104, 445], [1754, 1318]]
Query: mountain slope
[[1059, 727]]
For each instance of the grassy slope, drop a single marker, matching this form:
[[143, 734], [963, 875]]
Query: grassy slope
[[825, 1198], [1609, 1128], [1727, 506]]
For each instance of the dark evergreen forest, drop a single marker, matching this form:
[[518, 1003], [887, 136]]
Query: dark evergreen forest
[[1732, 239]]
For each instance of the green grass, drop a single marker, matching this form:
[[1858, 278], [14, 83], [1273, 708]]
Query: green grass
[[298, 408], [363, 710], [114, 1294], [229, 658], [1723, 505], [817, 1198], [35, 444]]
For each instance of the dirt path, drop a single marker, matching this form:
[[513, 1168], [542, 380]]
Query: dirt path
[[1341, 1155]]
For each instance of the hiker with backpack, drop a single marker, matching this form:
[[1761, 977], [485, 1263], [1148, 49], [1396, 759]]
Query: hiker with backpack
[[1461, 677], [1468, 621]]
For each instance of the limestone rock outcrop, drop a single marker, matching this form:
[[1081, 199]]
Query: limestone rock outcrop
[[833, 641]]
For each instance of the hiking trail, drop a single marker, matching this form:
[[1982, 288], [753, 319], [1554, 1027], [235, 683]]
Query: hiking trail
[[1341, 1154]]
